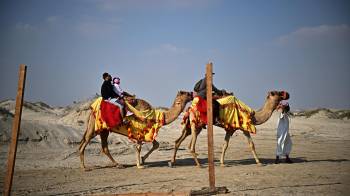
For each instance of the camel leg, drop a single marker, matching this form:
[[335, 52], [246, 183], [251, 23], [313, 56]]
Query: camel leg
[[252, 147], [82, 147], [105, 150], [189, 145], [88, 135], [177, 145], [224, 147], [193, 144], [138, 152], [155, 146]]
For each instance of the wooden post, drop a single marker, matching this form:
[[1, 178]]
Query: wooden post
[[15, 130], [209, 80]]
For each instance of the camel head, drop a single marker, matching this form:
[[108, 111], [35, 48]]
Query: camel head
[[274, 97], [182, 98]]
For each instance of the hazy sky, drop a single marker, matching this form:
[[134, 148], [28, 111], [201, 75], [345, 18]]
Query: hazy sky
[[158, 47]]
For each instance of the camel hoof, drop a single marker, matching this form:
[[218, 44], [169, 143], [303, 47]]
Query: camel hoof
[[140, 167], [259, 164], [85, 169], [120, 166], [223, 165], [171, 164]]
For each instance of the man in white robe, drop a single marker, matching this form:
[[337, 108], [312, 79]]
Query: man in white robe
[[284, 142]]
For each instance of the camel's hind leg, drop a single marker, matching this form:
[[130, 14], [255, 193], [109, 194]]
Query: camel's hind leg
[[155, 146], [224, 147], [88, 135], [177, 144], [252, 146], [105, 150]]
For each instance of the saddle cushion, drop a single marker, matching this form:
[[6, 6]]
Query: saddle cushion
[[233, 114]]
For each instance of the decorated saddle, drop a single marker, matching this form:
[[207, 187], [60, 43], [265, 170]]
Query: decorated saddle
[[233, 114], [107, 115], [141, 127]]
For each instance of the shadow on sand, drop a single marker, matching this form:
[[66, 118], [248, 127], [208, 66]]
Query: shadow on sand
[[268, 161], [264, 161], [228, 163]]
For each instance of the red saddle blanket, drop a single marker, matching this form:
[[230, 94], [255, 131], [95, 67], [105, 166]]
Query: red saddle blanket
[[200, 105], [110, 113]]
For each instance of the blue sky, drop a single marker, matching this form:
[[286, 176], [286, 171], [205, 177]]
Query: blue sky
[[159, 47]]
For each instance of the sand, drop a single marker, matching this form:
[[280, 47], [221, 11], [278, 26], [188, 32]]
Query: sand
[[48, 164]]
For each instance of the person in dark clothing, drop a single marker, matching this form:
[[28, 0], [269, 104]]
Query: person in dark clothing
[[107, 91], [201, 89]]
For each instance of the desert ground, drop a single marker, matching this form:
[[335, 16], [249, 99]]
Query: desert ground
[[48, 164]]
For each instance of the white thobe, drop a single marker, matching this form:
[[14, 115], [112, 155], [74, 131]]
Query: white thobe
[[284, 142]]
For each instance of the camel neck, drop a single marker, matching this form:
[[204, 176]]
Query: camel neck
[[175, 110], [264, 113]]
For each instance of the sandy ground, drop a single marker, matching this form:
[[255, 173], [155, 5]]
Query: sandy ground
[[48, 164]]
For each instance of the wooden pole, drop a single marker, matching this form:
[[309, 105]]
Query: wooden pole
[[15, 130], [209, 80]]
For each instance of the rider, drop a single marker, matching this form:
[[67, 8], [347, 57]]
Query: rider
[[118, 90], [107, 91], [201, 89]]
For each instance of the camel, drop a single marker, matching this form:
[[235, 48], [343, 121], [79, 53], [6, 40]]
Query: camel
[[182, 98], [259, 117]]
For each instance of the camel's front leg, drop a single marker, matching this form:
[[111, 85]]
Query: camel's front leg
[[178, 143], [252, 146], [155, 145], [138, 159], [193, 144], [224, 147]]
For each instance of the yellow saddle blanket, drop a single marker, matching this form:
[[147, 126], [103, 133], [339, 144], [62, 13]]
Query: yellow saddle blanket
[[234, 114], [99, 123], [138, 130]]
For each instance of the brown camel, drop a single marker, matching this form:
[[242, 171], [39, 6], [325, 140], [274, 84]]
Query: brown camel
[[259, 117], [182, 98]]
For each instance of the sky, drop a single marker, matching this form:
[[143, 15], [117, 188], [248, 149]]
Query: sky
[[158, 47]]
